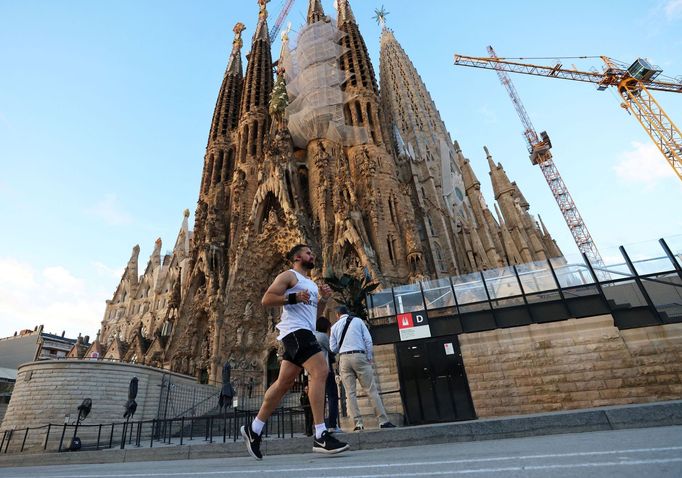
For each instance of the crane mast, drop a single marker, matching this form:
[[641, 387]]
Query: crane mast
[[539, 149], [280, 19]]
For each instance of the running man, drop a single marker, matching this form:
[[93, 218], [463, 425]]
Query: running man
[[302, 304]]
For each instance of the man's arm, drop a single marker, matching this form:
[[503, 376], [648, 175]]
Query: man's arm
[[367, 338], [325, 293], [275, 295], [333, 339]]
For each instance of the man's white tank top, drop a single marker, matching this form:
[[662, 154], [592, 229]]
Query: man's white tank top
[[301, 315]]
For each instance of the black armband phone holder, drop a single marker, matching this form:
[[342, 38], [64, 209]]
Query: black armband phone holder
[[292, 299]]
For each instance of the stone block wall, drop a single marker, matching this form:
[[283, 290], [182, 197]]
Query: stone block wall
[[48, 392], [577, 363]]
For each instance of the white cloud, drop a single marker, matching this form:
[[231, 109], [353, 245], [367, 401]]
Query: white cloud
[[106, 271], [643, 164], [61, 280], [673, 9], [51, 296], [14, 274], [110, 210]]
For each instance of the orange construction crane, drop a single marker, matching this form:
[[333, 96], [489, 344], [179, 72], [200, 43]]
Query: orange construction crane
[[539, 148], [633, 83]]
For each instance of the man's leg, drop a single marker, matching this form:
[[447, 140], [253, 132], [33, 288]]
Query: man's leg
[[285, 380], [252, 433], [333, 400], [348, 378], [317, 377], [369, 384], [318, 369]]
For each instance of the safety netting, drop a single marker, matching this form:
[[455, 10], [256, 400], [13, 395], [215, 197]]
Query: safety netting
[[314, 86]]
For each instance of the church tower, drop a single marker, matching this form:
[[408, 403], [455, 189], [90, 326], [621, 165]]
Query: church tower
[[390, 220], [428, 160]]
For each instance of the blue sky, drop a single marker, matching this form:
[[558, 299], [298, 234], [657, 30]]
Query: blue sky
[[105, 109]]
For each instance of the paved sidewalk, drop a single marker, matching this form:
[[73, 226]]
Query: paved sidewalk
[[574, 421]]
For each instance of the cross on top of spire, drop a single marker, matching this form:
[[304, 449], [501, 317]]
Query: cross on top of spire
[[380, 16]]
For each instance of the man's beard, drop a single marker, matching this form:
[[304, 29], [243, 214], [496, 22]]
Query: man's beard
[[308, 265]]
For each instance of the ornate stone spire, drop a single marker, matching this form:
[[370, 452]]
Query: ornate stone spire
[[499, 178], [155, 258], [315, 11], [356, 62], [345, 12], [131, 272], [258, 80]]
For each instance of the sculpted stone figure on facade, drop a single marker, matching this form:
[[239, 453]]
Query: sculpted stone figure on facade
[[383, 191]]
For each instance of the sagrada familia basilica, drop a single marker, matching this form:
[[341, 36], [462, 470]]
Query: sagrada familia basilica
[[311, 149]]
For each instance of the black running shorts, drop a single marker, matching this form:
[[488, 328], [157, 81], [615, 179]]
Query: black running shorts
[[299, 346]]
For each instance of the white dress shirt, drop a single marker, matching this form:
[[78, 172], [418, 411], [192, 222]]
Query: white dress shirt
[[357, 337]]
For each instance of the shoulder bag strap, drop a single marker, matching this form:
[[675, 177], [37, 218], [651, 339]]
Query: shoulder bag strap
[[345, 329]]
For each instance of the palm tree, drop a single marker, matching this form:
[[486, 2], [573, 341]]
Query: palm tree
[[352, 292]]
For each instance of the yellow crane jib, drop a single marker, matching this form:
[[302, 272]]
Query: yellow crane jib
[[634, 85]]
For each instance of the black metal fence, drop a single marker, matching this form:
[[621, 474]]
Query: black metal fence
[[285, 422]]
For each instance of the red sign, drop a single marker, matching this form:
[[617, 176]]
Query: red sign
[[405, 321]]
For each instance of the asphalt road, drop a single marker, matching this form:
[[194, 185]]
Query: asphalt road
[[654, 452]]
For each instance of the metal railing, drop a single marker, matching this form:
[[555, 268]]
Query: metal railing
[[284, 422]]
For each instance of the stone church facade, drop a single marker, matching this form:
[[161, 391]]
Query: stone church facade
[[316, 152]]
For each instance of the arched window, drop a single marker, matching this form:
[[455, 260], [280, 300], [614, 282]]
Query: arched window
[[439, 258], [430, 222]]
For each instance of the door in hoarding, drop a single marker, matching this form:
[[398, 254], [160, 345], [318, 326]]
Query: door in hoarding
[[433, 381]]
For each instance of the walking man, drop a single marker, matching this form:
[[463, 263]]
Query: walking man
[[302, 303], [322, 336], [350, 338]]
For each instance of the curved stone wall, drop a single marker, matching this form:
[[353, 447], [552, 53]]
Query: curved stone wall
[[50, 391]]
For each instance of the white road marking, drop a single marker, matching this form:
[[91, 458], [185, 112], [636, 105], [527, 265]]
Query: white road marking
[[428, 463]]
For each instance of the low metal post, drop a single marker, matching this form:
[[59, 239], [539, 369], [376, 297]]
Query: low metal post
[[123, 435], [182, 429], [47, 436], [99, 434], [61, 440], [291, 422], [224, 427], [234, 425], [23, 443], [211, 429], [170, 431], [151, 440], [111, 437], [9, 439], [139, 434]]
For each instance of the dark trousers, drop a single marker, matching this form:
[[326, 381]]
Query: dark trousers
[[332, 400], [308, 413]]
